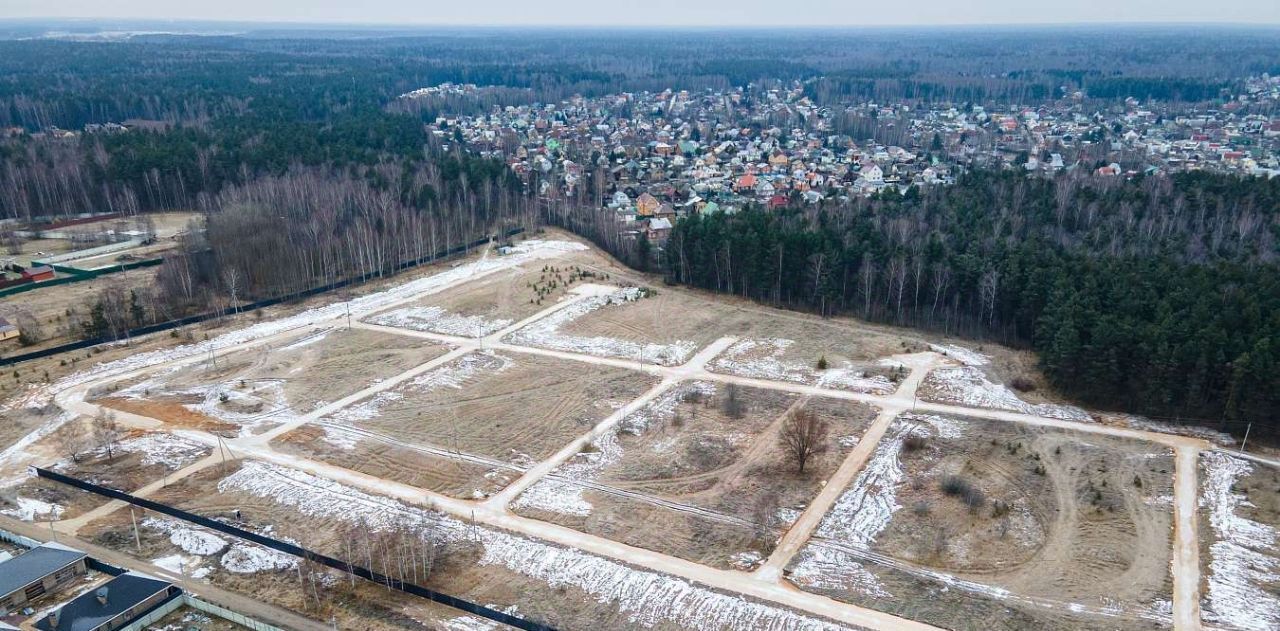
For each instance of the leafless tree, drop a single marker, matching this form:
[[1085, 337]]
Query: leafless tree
[[106, 433], [732, 404], [803, 436]]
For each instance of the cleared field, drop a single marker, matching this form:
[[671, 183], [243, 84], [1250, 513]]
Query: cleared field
[[1240, 543], [966, 523], [426, 468], [258, 388], [512, 408], [668, 325], [488, 304], [697, 473]]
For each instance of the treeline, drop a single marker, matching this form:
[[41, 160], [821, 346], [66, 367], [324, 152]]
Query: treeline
[[1159, 296]]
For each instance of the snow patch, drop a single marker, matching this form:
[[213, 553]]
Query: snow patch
[[1244, 560], [247, 558], [966, 356], [28, 509], [437, 320], [763, 359], [192, 540], [546, 333], [969, 386]]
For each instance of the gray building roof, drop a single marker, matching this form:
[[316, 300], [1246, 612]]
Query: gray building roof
[[86, 612], [35, 564]]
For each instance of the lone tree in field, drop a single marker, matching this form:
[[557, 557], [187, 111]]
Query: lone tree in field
[[733, 405], [105, 432], [803, 436]]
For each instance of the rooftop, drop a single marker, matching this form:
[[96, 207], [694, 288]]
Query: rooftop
[[122, 593], [29, 567]]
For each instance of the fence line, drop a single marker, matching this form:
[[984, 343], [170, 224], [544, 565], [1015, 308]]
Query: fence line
[[195, 319], [298, 551]]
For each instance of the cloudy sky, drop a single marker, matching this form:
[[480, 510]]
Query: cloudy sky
[[662, 12]]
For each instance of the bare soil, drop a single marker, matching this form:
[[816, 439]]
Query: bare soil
[[1064, 516]]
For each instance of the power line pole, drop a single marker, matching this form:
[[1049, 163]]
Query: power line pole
[[137, 540], [1246, 436]]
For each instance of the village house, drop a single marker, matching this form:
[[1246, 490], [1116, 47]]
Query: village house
[[39, 571]]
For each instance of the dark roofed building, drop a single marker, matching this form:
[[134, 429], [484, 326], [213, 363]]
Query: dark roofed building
[[114, 605], [37, 572]]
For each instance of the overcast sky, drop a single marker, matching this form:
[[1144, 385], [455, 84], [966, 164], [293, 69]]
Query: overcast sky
[[662, 12]]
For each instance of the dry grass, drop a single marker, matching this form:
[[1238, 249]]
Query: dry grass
[[528, 410]]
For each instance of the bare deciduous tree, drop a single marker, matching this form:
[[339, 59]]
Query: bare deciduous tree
[[733, 405], [106, 433], [803, 436]]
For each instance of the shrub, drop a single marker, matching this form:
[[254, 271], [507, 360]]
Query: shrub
[[914, 442], [822, 363], [1023, 384], [971, 495], [999, 508]]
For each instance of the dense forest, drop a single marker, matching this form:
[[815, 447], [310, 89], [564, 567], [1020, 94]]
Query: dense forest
[[1157, 295]]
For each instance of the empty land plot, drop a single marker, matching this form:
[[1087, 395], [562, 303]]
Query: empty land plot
[[258, 388], [490, 303], [434, 469], [510, 407], [669, 325], [977, 383], [135, 460], [698, 473], [959, 520], [1240, 547]]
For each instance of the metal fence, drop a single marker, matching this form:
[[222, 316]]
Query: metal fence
[[298, 551]]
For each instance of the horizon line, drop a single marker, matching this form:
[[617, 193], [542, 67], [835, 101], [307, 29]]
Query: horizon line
[[325, 24]]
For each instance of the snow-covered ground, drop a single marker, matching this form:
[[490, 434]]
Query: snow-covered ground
[[969, 386], [248, 558], [763, 359], [546, 333], [28, 509], [646, 598], [192, 540], [966, 356], [561, 491], [16, 455], [1244, 558], [182, 565], [437, 320], [170, 450]]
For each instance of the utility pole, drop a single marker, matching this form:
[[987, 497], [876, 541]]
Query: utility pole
[[137, 540], [1246, 436]]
